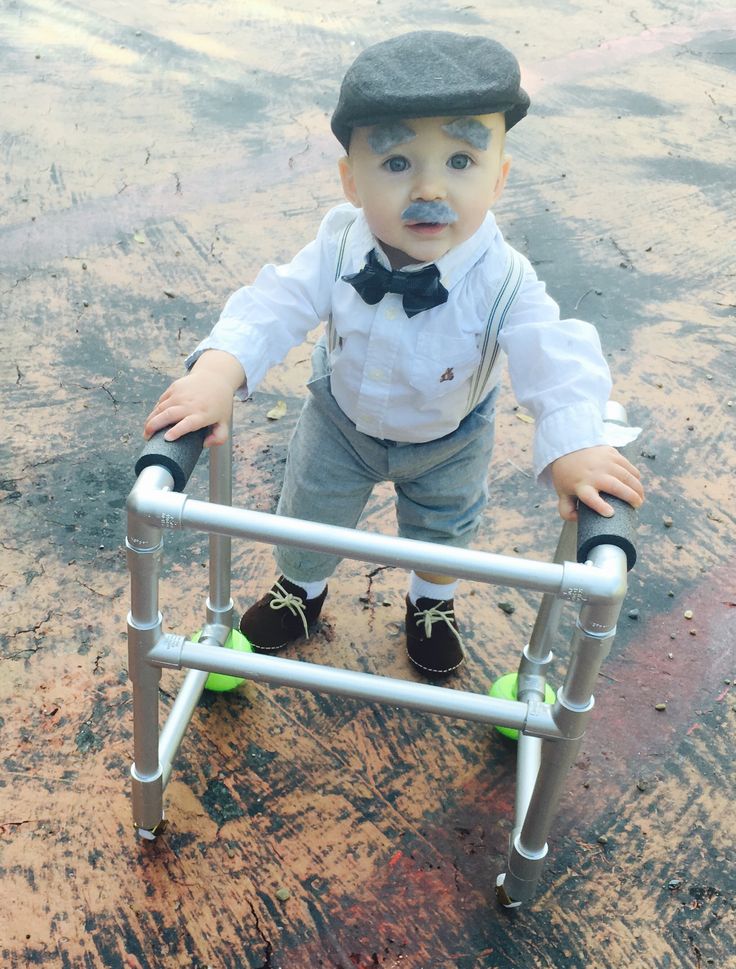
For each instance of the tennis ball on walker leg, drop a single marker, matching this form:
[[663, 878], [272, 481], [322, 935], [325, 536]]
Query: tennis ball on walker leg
[[504, 688], [222, 682]]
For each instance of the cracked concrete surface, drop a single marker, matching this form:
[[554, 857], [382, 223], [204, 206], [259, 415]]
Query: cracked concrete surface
[[154, 157]]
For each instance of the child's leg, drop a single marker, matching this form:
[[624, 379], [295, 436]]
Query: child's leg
[[324, 481], [442, 502], [445, 503], [429, 586]]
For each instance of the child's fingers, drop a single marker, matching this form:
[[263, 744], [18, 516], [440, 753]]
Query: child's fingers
[[612, 486], [631, 468], [178, 419], [218, 435], [567, 508], [161, 418], [628, 489], [631, 475], [593, 499], [154, 422], [164, 401], [622, 462], [187, 424]]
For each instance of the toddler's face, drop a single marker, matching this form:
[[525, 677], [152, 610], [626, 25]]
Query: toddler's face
[[425, 184]]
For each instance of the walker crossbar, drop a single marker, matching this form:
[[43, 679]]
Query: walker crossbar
[[175, 652], [569, 580], [549, 734]]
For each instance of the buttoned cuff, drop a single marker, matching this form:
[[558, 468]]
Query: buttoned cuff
[[565, 430]]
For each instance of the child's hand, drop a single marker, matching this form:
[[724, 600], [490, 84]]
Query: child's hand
[[203, 398], [583, 474]]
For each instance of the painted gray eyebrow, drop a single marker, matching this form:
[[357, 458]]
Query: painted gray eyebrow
[[384, 137], [469, 130]]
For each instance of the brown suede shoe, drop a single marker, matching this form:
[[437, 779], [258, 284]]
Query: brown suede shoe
[[432, 638], [280, 617]]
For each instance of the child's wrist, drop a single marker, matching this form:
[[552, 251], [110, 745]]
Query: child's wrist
[[224, 365]]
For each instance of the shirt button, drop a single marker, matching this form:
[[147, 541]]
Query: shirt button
[[390, 313], [376, 374]]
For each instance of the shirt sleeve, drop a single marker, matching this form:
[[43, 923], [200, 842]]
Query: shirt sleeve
[[557, 371], [260, 323]]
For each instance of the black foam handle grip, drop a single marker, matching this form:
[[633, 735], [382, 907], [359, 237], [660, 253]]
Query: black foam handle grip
[[178, 457], [620, 530]]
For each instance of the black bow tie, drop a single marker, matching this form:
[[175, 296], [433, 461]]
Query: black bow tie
[[421, 290]]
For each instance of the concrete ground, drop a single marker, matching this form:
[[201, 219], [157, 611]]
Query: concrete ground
[[155, 155]]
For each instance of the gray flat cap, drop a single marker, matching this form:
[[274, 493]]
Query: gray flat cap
[[429, 74]]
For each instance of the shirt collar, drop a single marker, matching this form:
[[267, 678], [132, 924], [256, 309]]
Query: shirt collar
[[452, 266]]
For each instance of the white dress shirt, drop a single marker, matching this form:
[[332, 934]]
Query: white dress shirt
[[408, 379]]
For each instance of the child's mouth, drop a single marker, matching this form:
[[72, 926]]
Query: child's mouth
[[426, 228]]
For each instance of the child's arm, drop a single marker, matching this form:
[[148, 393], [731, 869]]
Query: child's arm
[[202, 398], [258, 326], [584, 474]]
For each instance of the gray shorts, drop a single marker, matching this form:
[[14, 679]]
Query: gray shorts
[[331, 468]]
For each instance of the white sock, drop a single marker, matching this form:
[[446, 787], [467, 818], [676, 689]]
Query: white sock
[[311, 589], [421, 589]]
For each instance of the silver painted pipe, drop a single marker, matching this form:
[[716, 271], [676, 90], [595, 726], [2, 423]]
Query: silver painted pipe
[[548, 617], [365, 546], [178, 719], [535, 718], [528, 759], [219, 603], [571, 580], [142, 532], [143, 542]]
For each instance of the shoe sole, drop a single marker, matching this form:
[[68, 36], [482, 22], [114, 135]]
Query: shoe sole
[[289, 642], [428, 669]]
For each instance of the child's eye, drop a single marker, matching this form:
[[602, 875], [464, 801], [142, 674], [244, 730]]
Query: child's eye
[[397, 163], [460, 161]]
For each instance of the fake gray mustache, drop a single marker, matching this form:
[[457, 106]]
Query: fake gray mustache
[[429, 212]]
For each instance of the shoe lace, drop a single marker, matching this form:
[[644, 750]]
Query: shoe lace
[[434, 614], [282, 599]]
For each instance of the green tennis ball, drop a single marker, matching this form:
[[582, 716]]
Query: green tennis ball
[[222, 682], [504, 688]]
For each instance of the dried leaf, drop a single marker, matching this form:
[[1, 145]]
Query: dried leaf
[[277, 411], [139, 238], [526, 418]]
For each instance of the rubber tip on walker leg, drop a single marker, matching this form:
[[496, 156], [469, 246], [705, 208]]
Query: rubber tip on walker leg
[[151, 834], [501, 893], [504, 688], [222, 682]]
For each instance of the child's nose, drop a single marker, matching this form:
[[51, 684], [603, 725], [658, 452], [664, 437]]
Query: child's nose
[[427, 187]]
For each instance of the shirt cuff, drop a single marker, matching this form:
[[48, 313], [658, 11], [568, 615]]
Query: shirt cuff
[[565, 430]]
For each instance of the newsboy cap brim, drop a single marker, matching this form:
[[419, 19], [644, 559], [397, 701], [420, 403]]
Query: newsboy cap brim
[[429, 74]]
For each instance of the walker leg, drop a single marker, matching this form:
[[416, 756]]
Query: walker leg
[[144, 546], [218, 629], [219, 603], [591, 643], [537, 654], [532, 679]]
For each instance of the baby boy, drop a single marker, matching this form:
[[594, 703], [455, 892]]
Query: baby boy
[[424, 302]]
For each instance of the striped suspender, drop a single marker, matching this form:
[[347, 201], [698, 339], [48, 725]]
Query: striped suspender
[[331, 334], [499, 311]]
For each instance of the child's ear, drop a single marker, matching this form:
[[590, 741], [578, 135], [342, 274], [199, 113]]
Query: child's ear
[[503, 175], [344, 166]]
